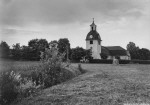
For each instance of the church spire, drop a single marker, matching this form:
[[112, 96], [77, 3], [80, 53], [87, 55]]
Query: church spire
[[93, 20], [93, 26]]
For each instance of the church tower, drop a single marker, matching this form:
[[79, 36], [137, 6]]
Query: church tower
[[93, 41]]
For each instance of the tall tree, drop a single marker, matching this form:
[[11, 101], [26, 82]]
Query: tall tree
[[37, 45], [78, 52], [27, 53], [133, 50], [144, 54], [4, 49], [53, 43], [64, 47], [16, 51]]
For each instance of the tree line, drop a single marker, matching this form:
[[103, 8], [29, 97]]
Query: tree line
[[34, 48], [138, 53]]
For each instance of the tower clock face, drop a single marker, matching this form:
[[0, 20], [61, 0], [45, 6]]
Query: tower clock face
[[91, 36]]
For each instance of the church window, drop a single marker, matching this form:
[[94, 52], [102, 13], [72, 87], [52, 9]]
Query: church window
[[91, 42]]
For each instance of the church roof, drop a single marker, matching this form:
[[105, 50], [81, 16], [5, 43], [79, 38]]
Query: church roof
[[114, 50], [93, 24], [95, 35]]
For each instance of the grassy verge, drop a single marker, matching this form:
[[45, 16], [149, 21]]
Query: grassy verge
[[101, 85], [25, 69]]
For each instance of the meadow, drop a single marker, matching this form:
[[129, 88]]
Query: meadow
[[25, 68], [102, 84]]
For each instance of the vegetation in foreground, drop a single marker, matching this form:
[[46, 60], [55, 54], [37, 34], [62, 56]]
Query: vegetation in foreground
[[20, 81], [101, 85]]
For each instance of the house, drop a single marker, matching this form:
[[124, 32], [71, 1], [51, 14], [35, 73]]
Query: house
[[93, 42]]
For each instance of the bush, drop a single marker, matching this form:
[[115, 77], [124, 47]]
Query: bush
[[101, 61], [50, 71], [9, 87], [124, 61], [108, 61], [140, 61]]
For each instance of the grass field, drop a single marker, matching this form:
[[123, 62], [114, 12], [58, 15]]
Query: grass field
[[23, 67], [102, 84]]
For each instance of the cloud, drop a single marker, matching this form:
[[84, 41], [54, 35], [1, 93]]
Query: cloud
[[26, 12]]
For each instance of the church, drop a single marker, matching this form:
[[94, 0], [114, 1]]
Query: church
[[93, 42]]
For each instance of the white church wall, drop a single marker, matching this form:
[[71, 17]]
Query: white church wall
[[96, 48]]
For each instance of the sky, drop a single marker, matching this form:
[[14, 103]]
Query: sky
[[118, 21]]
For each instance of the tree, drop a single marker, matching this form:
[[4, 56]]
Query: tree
[[88, 54], [78, 53], [144, 54], [4, 50], [64, 47], [27, 53], [104, 55], [16, 51], [37, 45], [133, 50], [53, 43]]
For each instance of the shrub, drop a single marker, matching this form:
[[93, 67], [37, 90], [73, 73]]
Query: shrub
[[124, 61], [50, 71], [109, 61], [140, 61], [9, 88], [101, 61]]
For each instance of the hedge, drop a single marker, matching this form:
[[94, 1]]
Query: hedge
[[140, 61], [108, 61], [120, 61], [101, 61]]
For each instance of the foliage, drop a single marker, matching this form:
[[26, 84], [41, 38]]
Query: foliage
[[140, 61], [64, 47], [133, 50], [51, 66], [4, 50], [27, 53], [9, 87], [16, 51], [109, 61], [144, 54], [78, 53], [137, 53], [88, 54], [103, 55], [53, 43], [37, 45]]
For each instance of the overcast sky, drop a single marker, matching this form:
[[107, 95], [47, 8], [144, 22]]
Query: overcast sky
[[118, 21]]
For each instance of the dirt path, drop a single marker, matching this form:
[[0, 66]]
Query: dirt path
[[100, 85]]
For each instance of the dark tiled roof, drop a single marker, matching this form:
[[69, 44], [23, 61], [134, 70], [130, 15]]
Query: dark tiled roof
[[95, 35], [114, 50], [104, 50]]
